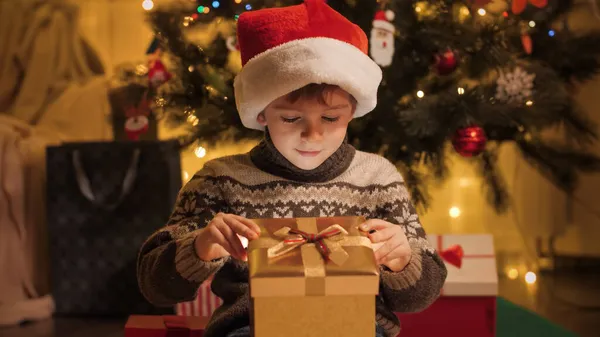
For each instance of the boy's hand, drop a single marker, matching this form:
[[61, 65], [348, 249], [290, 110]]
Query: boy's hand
[[220, 237], [395, 251]]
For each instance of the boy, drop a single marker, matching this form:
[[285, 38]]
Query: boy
[[305, 75]]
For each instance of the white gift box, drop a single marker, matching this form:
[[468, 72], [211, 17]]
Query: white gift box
[[205, 303], [471, 264]]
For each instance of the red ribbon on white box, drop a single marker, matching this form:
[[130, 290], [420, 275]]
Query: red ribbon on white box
[[455, 254], [205, 303]]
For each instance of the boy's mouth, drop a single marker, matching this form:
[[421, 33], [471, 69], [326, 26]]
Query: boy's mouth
[[308, 153]]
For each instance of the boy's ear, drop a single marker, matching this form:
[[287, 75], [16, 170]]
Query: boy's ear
[[261, 119]]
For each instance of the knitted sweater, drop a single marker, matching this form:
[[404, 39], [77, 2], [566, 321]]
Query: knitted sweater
[[263, 184]]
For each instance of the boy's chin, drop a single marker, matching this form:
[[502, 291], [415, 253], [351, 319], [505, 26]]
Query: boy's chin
[[306, 165]]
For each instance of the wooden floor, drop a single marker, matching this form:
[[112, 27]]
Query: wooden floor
[[569, 299]]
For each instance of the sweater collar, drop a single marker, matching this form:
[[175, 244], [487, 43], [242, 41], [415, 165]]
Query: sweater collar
[[266, 157]]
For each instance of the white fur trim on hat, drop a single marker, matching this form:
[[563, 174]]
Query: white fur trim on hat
[[292, 65], [385, 25]]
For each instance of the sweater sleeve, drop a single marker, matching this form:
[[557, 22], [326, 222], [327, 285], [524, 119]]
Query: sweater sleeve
[[168, 269], [419, 284]]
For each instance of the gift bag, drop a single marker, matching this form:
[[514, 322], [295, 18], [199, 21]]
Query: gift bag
[[103, 201]]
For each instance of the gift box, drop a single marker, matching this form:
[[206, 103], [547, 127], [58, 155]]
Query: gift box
[[312, 277], [203, 305], [165, 326], [467, 305]]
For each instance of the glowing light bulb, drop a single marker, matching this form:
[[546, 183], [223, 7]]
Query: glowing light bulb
[[193, 119], [216, 4], [420, 94], [200, 9], [200, 152], [147, 4], [418, 9], [206, 10], [248, 7], [454, 212], [481, 11], [238, 1], [531, 24], [513, 274], [460, 90], [464, 11], [530, 277], [529, 103]]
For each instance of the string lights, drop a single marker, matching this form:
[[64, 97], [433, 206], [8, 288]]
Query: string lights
[[147, 5]]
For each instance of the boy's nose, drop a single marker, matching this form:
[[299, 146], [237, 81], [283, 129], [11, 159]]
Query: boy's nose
[[313, 132]]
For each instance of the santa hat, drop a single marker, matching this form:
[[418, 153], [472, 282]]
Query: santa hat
[[383, 20], [284, 49]]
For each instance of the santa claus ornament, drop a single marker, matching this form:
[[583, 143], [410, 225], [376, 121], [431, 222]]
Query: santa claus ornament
[[157, 72], [382, 38], [469, 141]]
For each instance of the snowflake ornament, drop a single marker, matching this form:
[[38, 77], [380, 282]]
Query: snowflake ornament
[[515, 86]]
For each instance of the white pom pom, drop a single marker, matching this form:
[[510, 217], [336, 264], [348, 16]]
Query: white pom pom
[[390, 15]]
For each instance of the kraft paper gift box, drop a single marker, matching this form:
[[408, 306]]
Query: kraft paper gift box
[[203, 305], [467, 305], [296, 292], [165, 326]]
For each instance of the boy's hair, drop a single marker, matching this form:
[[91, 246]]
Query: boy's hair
[[315, 90]]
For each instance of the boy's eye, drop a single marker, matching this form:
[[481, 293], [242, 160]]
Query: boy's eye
[[331, 119], [289, 120]]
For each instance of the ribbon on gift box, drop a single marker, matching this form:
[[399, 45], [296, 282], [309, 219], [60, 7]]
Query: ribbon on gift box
[[176, 326], [317, 248], [455, 254], [166, 326], [326, 241]]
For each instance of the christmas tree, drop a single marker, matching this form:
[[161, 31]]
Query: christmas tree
[[468, 74]]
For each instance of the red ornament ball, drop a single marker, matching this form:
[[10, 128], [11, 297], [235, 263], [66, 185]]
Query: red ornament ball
[[469, 141], [446, 62]]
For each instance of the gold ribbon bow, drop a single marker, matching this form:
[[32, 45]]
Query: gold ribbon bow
[[326, 241]]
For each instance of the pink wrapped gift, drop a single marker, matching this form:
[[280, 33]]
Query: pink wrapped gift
[[205, 303]]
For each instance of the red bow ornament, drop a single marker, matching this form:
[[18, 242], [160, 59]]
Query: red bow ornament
[[453, 255]]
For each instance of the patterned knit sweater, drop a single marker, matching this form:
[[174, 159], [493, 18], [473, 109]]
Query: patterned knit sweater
[[263, 184]]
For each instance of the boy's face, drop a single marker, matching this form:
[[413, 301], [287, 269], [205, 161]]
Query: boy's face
[[306, 132]]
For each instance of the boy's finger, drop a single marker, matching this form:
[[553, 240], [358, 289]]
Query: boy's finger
[[222, 241], [382, 253], [373, 224], [382, 235], [249, 223], [236, 246], [241, 229], [229, 239]]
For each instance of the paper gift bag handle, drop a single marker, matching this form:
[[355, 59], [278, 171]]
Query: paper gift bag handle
[[86, 188]]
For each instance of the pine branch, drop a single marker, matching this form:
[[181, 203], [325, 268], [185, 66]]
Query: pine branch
[[496, 192], [559, 163]]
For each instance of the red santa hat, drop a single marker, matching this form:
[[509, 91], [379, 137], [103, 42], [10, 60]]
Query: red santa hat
[[383, 20], [286, 48]]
